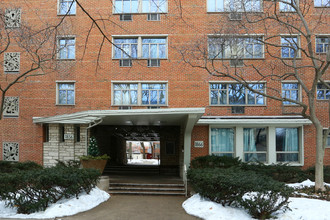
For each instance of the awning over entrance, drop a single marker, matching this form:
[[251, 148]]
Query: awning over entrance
[[156, 117]]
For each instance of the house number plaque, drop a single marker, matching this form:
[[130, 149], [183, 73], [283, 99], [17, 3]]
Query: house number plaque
[[199, 144]]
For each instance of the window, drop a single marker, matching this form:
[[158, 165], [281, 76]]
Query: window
[[222, 141], [154, 48], [150, 94], [13, 18], [140, 6], [236, 94], [234, 5], [322, 3], [290, 91], [328, 142], [255, 144], [287, 5], [10, 151], [323, 92], [11, 62], [153, 94], [238, 47], [322, 44], [151, 48], [289, 47], [287, 145], [66, 48], [11, 107], [67, 7], [65, 94]]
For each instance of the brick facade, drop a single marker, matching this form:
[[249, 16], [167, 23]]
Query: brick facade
[[93, 74]]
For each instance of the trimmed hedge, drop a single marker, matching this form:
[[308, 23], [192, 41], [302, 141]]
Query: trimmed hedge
[[230, 187], [33, 190], [213, 161], [10, 167]]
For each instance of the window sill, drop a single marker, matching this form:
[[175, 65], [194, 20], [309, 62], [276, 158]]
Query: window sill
[[140, 13], [65, 104], [58, 59], [228, 12], [139, 58], [291, 58], [228, 59], [238, 105], [327, 100], [66, 14]]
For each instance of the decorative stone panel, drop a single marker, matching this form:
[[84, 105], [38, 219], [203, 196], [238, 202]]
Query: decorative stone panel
[[13, 18], [10, 151], [11, 62], [11, 107]]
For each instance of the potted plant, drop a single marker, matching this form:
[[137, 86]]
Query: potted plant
[[94, 159]]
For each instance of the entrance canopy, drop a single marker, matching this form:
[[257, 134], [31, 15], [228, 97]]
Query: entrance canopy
[[132, 117]]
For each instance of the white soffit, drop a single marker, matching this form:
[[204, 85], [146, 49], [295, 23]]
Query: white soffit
[[255, 120]]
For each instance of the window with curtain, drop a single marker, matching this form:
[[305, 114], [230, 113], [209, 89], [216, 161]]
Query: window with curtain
[[222, 141], [287, 145], [255, 144]]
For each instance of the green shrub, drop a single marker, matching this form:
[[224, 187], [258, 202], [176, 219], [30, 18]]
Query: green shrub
[[263, 203], [228, 186], [213, 161], [68, 163], [9, 166], [34, 190], [280, 172]]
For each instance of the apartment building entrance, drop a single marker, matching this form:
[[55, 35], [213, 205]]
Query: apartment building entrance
[[132, 147]]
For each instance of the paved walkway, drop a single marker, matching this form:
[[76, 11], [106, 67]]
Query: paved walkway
[[127, 207]]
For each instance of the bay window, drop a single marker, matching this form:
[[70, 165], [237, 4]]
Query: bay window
[[255, 144]]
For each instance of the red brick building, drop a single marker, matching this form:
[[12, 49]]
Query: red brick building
[[141, 87]]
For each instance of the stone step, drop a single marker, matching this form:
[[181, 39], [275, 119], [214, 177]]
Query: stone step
[[147, 188], [126, 192]]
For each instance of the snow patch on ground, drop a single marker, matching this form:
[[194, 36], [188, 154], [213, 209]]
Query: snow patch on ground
[[142, 162], [64, 207], [306, 183]]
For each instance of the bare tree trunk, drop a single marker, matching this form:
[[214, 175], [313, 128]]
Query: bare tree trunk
[[319, 185], [144, 149]]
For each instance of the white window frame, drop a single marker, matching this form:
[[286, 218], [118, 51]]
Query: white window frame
[[234, 140], [323, 3], [67, 3], [290, 90], [289, 152], [66, 38], [139, 8], [139, 45], [289, 46], [324, 90], [224, 6], [227, 94], [139, 92], [58, 92], [271, 140], [230, 49], [256, 152], [325, 49]]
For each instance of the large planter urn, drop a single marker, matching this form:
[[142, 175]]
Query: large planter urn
[[96, 164]]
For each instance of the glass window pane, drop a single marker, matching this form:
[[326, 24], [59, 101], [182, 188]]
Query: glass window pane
[[134, 97], [125, 97], [145, 51], [250, 157], [70, 99], [287, 157], [62, 97], [117, 97], [153, 51], [287, 139], [153, 97], [162, 97], [222, 140], [214, 97], [119, 6], [145, 97]]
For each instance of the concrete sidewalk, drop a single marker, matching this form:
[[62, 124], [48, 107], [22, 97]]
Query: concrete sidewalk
[[126, 207]]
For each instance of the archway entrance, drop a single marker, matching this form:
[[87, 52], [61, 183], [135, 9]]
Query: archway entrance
[[143, 153]]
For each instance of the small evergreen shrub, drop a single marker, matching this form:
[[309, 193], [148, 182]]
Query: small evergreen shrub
[[213, 161], [10, 167], [33, 190], [93, 152]]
